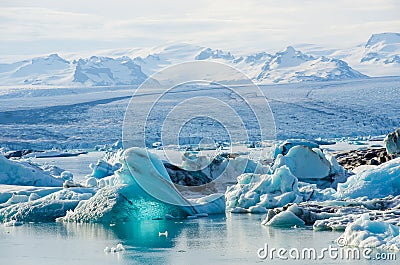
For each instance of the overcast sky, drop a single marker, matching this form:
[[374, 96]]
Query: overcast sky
[[36, 27]]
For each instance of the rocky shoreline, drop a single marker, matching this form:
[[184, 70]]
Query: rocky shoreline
[[370, 156]]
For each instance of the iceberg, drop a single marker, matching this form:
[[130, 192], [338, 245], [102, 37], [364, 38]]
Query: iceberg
[[25, 174], [142, 189], [311, 165], [45, 209], [284, 147], [392, 142], [376, 182], [267, 191], [371, 234], [284, 219]]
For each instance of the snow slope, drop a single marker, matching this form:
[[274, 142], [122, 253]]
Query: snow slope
[[54, 70], [378, 56], [132, 66], [290, 66], [106, 71]]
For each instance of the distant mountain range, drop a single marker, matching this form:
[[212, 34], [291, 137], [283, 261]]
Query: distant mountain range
[[379, 56]]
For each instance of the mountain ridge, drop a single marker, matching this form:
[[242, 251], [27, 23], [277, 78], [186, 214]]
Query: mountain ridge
[[132, 66]]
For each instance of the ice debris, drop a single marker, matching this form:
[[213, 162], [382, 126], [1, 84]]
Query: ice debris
[[371, 234], [13, 223], [118, 248], [284, 219], [45, 209], [25, 174], [263, 191], [163, 233], [392, 142], [312, 165], [376, 182]]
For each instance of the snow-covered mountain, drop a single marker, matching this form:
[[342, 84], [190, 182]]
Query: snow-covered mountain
[[38, 71], [378, 56], [105, 71], [291, 65], [383, 48]]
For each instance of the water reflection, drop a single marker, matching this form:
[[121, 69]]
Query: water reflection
[[230, 239]]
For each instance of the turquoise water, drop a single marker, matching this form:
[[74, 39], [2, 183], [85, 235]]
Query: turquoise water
[[231, 239]]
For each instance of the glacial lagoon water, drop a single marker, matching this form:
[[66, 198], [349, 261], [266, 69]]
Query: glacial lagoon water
[[220, 239]]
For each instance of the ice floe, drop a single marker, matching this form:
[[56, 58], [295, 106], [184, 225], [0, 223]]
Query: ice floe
[[23, 173], [371, 234], [376, 182], [45, 209], [284, 219], [312, 165], [392, 142]]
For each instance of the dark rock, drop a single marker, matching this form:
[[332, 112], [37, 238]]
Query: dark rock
[[369, 155], [374, 162]]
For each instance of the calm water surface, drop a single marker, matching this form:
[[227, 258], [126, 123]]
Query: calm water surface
[[230, 239]]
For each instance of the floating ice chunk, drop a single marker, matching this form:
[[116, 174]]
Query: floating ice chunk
[[371, 234], [66, 175], [45, 209], [169, 217], [284, 148], [258, 209], [91, 182], [392, 142], [17, 199], [305, 163], [13, 223], [377, 182], [143, 190], [268, 191], [191, 217], [33, 196], [23, 173], [163, 233], [211, 204], [284, 219], [312, 165], [102, 169], [118, 248]]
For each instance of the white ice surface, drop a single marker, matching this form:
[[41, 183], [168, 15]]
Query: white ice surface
[[371, 234], [376, 182]]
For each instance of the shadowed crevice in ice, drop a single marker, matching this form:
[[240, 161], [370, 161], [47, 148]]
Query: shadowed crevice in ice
[[143, 190]]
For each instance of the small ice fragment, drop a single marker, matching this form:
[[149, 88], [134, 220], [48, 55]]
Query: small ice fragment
[[91, 182], [13, 223], [66, 175], [33, 196], [107, 250], [119, 248], [202, 215], [163, 233], [169, 216], [191, 217]]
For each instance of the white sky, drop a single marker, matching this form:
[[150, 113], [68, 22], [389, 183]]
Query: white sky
[[35, 27]]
